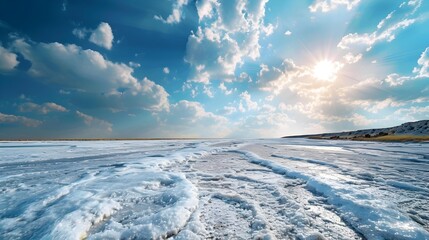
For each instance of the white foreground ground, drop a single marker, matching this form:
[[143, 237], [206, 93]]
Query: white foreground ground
[[214, 189]]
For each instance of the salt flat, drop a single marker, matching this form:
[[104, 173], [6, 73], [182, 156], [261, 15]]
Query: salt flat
[[214, 189]]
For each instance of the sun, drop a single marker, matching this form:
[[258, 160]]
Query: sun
[[325, 70]]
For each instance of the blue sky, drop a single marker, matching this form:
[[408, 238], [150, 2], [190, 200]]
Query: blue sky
[[210, 68]]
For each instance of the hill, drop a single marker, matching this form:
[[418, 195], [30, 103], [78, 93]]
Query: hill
[[410, 131]]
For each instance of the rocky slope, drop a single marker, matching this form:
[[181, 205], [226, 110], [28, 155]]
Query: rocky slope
[[419, 128]]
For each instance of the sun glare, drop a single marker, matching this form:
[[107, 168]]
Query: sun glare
[[325, 70]]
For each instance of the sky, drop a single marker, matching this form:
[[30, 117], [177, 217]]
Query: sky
[[210, 68]]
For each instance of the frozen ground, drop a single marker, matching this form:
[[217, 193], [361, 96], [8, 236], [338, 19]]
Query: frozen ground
[[214, 189]]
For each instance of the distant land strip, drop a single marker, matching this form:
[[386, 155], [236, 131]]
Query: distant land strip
[[97, 139], [407, 132]]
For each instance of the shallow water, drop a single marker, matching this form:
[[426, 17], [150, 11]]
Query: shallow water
[[278, 188]]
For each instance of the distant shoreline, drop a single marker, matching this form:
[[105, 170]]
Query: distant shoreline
[[407, 132], [394, 138], [97, 139]]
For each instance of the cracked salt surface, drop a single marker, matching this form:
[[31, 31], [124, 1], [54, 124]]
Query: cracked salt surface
[[214, 189]]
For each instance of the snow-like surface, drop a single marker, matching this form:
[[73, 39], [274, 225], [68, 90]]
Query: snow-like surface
[[222, 189]]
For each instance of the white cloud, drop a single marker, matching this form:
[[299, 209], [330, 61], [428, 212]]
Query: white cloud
[[423, 69], [244, 77], [43, 108], [412, 113], [374, 106], [392, 92], [64, 92], [205, 8], [8, 60], [176, 14], [383, 21], [241, 107], [134, 64], [350, 58], [80, 32], [28, 122], [288, 33], [23, 97], [269, 29], [273, 79], [329, 5], [94, 122], [88, 72], [224, 89], [268, 108], [264, 123], [190, 119], [228, 110], [246, 99], [368, 40], [386, 29], [360, 120], [166, 70], [212, 59], [194, 92], [228, 34], [395, 79], [208, 91], [102, 36]]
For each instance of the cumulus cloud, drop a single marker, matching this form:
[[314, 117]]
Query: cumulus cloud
[[228, 110], [208, 91], [190, 119], [166, 70], [268, 29], [224, 89], [308, 99], [8, 60], [390, 92], [368, 40], [376, 106], [101, 36], [28, 122], [386, 30], [134, 64], [212, 59], [94, 122], [350, 58], [176, 14], [44, 108], [227, 35], [266, 122], [303, 94], [246, 100], [413, 113], [88, 72], [423, 69], [80, 32], [271, 78], [329, 5], [274, 78], [395, 79], [205, 8]]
